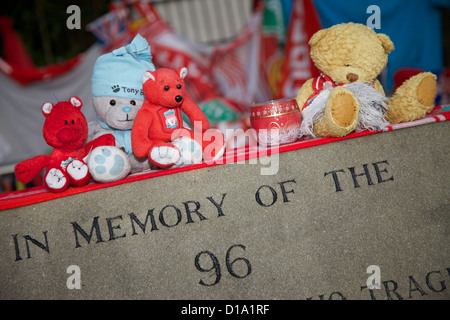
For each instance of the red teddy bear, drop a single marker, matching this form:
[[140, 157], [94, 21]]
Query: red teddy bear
[[158, 126], [66, 130]]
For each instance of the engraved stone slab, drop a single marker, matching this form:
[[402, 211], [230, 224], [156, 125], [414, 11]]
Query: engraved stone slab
[[334, 219]]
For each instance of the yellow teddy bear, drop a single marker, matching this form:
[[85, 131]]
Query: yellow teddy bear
[[347, 96]]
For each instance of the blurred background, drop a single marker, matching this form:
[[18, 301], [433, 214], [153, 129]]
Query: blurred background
[[238, 52]]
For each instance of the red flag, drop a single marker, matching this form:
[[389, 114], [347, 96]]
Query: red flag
[[298, 66]]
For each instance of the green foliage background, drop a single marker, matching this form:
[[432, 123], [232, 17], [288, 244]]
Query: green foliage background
[[42, 26]]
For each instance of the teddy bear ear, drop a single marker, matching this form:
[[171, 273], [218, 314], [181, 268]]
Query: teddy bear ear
[[47, 108], [76, 102], [148, 75], [182, 72], [316, 37], [386, 42]]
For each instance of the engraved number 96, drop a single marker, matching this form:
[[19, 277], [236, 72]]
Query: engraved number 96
[[216, 265]]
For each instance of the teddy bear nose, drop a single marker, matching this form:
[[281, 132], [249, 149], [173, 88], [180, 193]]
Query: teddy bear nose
[[178, 98], [126, 109], [352, 77], [68, 135]]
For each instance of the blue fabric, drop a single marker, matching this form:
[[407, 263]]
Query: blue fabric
[[119, 73], [414, 26], [287, 7], [122, 136]]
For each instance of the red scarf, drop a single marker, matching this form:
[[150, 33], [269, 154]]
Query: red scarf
[[317, 86]]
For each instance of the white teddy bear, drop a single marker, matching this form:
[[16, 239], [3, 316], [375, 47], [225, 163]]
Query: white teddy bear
[[117, 96]]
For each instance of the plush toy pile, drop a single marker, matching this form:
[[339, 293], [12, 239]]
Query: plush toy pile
[[139, 110], [129, 135], [347, 96]]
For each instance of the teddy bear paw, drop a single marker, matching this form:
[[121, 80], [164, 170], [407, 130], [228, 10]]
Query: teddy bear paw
[[413, 99], [77, 169], [344, 107], [108, 163], [340, 114], [164, 156], [78, 173], [426, 90], [190, 151], [56, 180]]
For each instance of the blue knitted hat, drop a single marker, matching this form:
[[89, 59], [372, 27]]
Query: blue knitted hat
[[119, 73]]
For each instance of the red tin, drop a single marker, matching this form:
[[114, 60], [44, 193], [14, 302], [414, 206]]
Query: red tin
[[276, 122]]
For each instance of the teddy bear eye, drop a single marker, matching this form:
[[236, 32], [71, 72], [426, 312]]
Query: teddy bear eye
[[347, 65], [65, 122], [132, 102], [179, 86], [166, 88], [112, 102]]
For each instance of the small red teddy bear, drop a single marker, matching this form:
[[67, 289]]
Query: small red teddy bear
[[158, 126], [66, 130]]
